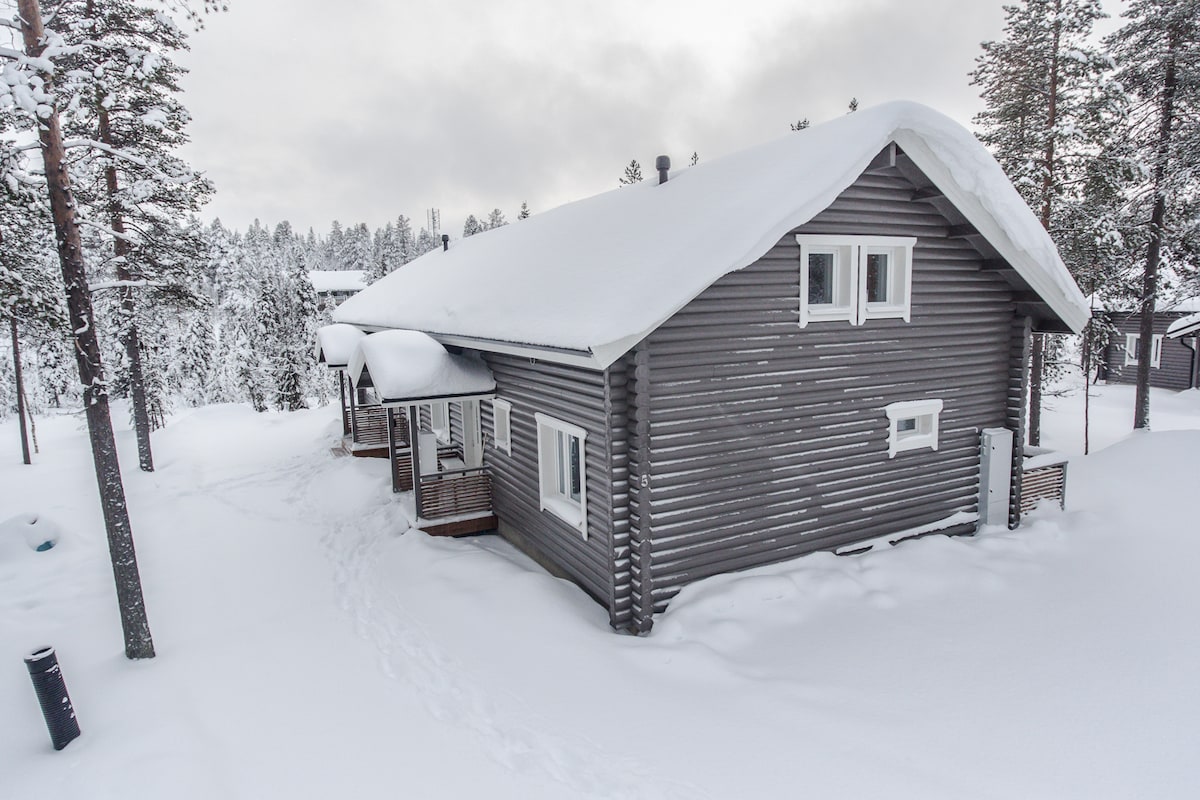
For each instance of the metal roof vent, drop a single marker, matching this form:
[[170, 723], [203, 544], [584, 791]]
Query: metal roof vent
[[663, 165]]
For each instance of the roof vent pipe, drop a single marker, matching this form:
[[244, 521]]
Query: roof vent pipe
[[445, 241], [663, 165]]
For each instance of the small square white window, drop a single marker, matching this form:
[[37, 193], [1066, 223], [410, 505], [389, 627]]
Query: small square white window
[[1133, 349], [855, 278], [912, 425], [562, 478], [502, 425]]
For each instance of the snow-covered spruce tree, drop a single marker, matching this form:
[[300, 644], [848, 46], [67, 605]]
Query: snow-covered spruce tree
[[472, 226], [27, 88], [633, 173], [426, 242], [125, 123], [524, 212], [28, 292], [1157, 52], [1045, 93], [495, 220]]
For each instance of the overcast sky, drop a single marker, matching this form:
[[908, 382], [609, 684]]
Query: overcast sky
[[361, 110]]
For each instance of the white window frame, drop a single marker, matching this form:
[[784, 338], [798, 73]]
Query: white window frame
[[439, 420], [502, 425], [1131, 348], [553, 467], [913, 425], [850, 288]]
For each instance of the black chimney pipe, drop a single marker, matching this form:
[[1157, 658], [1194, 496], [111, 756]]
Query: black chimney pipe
[[445, 241], [663, 165]]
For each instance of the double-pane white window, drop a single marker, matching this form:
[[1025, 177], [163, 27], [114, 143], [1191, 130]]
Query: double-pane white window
[[562, 478], [855, 278], [1133, 348]]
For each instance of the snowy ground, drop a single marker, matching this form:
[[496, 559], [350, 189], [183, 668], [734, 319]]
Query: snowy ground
[[310, 648]]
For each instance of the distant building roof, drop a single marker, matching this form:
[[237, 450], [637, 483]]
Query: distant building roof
[[1183, 326], [596, 276], [338, 280]]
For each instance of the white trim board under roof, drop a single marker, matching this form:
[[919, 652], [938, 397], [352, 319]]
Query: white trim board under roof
[[409, 367], [596, 276], [1184, 326], [336, 343]]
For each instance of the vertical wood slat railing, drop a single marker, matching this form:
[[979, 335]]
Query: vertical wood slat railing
[[455, 493], [370, 425]]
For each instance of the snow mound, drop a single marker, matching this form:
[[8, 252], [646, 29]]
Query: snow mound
[[27, 533]]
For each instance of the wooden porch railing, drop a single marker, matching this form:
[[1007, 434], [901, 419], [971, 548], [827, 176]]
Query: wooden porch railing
[[455, 493]]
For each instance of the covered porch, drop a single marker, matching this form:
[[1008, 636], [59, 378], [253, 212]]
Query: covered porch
[[430, 400], [365, 422]]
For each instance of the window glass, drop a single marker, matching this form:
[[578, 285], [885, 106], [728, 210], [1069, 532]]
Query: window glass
[[820, 278], [908, 425], [573, 466], [877, 277]]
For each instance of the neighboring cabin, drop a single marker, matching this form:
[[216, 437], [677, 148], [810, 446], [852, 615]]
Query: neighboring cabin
[[805, 346], [1174, 361], [334, 286]]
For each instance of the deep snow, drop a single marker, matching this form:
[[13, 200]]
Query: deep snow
[[309, 647]]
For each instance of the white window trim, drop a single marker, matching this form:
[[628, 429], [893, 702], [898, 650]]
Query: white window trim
[[571, 512], [855, 309], [502, 434], [926, 413], [1156, 346], [439, 420]]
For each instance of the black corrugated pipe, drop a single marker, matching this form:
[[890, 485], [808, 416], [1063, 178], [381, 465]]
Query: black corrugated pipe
[[445, 241], [52, 695], [663, 165]]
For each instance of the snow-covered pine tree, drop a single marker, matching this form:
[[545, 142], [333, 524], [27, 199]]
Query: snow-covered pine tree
[[495, 220], [426, 242], [524, 212], [633, 173], [406, 243], [357, 252], [29, 82], [121, 88], [472, 226], [1045, 91], [1157, 51], [800, 124]]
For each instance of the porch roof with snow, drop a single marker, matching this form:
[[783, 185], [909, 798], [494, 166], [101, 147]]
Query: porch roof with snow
[[592, 278], [407, 367], [1184, 326], [336, 343]]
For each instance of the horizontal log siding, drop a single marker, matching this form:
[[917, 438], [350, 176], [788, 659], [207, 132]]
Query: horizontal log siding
[[619, 434], [1020, 345], [1175, 365], [576, 396], [763, 441]]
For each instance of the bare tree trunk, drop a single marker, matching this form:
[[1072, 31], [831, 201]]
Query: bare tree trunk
[[1038, 353], [1141, 406], [16, 344], [138, 643]]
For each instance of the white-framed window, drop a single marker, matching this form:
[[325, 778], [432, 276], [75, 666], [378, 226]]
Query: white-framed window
[[1133, 347], [502, 425], [562, 478], [912, 425], [439, 420], [855, 278]]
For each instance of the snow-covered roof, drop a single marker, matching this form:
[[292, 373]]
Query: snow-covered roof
[[1183, 326], [1189, 306], [338, 280], [599, 274], [336, 343], [409, 366]]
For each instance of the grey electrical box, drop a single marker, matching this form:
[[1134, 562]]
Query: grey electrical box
[[995, 475]]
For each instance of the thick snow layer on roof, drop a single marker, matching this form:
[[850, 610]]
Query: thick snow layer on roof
[[336, 343], [338, 280], [599, 274], [410, 366], [1184, 326], [1188, 306]]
